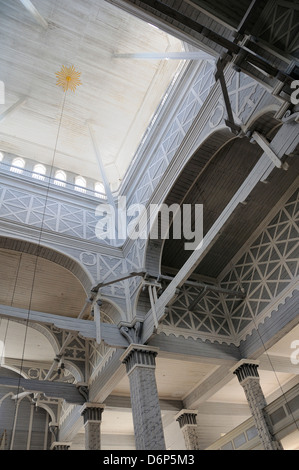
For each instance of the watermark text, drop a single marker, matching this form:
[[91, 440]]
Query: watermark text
[[156, 222], [295, 94], [295, 353]]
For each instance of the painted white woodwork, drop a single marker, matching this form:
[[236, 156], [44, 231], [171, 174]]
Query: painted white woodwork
[[119, 97], [12, 108], [34, 12], [166, 56]]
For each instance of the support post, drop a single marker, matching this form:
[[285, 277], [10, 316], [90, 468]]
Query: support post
[[153, 298], [219, 75], [140, 364], [92, 415], [14, 425], [248, 377], [97, 319], [32, 407], [188, 425]]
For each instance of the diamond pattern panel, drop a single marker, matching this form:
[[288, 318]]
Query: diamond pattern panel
[[207, 316], [267, 268], [282, 26], [48, 214], [265, 271]]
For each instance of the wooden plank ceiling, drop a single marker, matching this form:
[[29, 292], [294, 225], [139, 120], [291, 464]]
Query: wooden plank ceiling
[[34, 283], [119, 96], [214, 187]]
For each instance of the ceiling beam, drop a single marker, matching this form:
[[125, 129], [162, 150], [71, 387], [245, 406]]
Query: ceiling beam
[[247, 17], [206, 389], [69, 392], [111, 334], [271, 363], [122, 402], [34, 12], [188, 349], [117, 279], [166, 56], [223, 409], [83, 327], [13, 108]]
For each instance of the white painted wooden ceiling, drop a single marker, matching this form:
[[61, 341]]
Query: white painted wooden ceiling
[[119, 96], [185, 375], [33, 283]]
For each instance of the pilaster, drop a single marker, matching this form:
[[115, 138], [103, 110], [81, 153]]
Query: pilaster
[[247, 373], [92, 416], [140, 365], [188, 424]]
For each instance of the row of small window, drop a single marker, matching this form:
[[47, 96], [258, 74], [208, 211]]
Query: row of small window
[[241, 440], [60, 178]]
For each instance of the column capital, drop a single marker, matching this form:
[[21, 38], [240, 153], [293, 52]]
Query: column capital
[[92, 412], [246, 369], [60, 445], [186, 418], [139, 355]]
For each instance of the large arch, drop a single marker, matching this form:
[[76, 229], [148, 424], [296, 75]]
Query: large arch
[[53, 341], [198, 164], [111, 312], [195, 165], [26, 284], [48, 253]]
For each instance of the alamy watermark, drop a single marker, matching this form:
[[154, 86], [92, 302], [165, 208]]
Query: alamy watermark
[[295, 353], [295, 94], [156, 222]]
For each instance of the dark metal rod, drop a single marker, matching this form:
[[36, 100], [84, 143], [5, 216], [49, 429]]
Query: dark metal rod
[[246, 17]]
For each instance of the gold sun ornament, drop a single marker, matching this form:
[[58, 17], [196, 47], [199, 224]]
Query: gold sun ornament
[[68, 78]]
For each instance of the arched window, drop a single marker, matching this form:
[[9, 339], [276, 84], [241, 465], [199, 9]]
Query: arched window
[[100, 190], [39, 172], [80, 184], [18, 164], [60, 178]]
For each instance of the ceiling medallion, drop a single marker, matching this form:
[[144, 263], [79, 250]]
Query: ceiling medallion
[[68, 78]]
